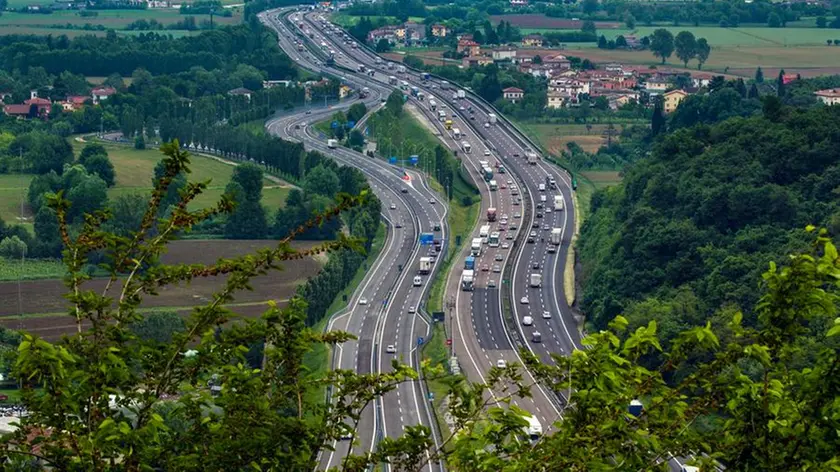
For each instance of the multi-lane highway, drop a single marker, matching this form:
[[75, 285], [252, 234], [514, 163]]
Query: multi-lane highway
[[481, 336], [385, 312], [533, 200]]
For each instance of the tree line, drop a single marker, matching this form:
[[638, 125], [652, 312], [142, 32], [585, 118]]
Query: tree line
[[223, 48]]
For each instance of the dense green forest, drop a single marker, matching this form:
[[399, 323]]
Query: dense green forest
[[692, 226]]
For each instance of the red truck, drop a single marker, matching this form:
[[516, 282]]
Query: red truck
[[491, 214]]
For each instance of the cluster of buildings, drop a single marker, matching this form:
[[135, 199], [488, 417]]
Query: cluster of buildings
[[37, 107], [407, 33], [620, 85]]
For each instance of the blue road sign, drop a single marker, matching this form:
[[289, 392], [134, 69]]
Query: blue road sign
[[419, 341], [413, 160], [367, 131], [334, 125], [351, 124], [392, 160]]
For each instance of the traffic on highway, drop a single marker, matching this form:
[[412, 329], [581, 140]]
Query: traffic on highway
[[517, 253]]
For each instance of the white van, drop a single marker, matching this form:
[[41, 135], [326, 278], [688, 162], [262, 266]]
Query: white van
[[542, 198], [418, 281], [542, 187], [527, 321]]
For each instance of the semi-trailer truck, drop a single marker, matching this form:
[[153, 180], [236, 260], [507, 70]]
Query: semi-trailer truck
[[425, 265], [491, 214], [536, 280], [467, 280]]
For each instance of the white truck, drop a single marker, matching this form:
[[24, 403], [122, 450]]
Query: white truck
[[441, 115], [392, 80], [492, 118], [532, 158], [475, 247], [556, 235], [425, 265], [401, 69], [456, 133], [493, 186], [432, 104], [467, 280], [462, 94], [332, 143], [558, 202], [484, 233], [467, 147], [536, 280], [534, 429]]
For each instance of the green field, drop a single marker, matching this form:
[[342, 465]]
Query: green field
[[13, 188], [75, 33], [135, 169], [56, 22], [134, 174], [31, 269]]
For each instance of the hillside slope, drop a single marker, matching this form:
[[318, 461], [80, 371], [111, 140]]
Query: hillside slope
[[694, 225]]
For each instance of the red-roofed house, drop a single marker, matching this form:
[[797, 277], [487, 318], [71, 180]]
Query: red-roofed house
[[20, 111], [828, 96], [102, 93], [788, 78], [74, 102], [513, 94]]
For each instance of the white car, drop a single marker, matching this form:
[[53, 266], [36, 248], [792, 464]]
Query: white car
[[510, 182], [390, 349], [363, 301], [497, 268], [491, 283], [411, 309], [486, 152], [505, 246], [517, 215], [499, 256], [523, 300], [393, 206], [486, 125], [527, 321], [546, 315], [432, 201], [501, 363]]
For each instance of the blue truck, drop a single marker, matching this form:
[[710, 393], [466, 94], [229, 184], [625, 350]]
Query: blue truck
[[426, 76], [469, 263]]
